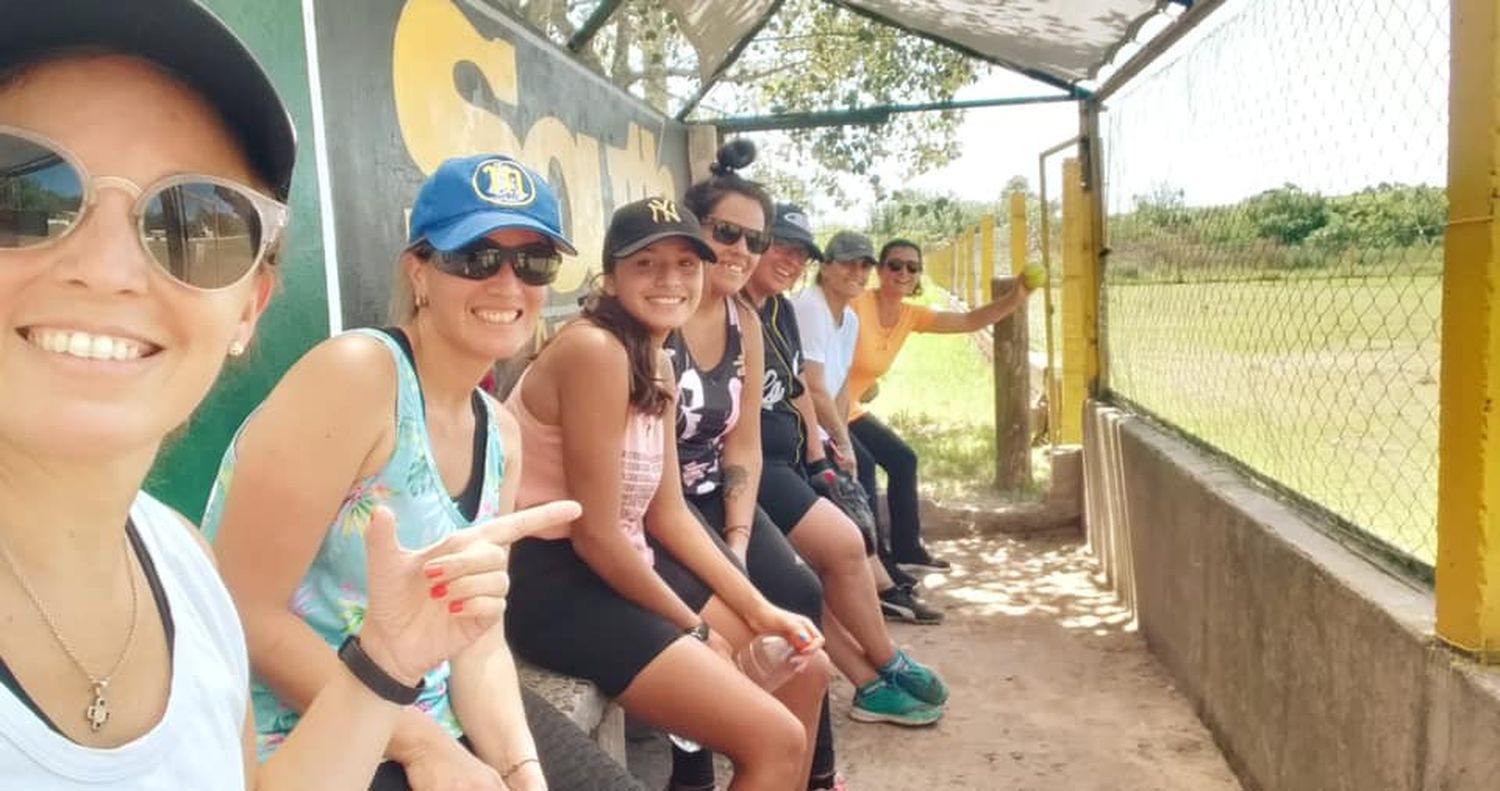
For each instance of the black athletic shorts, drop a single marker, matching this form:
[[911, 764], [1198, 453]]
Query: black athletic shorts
[[563, 617], [785, 494]]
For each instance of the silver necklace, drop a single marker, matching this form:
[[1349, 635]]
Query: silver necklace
[[97, 712]]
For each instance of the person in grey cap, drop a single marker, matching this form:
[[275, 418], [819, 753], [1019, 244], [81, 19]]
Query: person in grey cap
[[144, 165], [830, 331]]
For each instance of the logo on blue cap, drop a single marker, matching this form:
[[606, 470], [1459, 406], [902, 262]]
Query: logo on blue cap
[[504, 183]]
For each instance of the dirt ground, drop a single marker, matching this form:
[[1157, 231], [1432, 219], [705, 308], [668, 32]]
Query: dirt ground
[[1052, 688]]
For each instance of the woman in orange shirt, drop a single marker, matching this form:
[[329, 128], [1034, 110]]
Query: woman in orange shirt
[[885, 319]]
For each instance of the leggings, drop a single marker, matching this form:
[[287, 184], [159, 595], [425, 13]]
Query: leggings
[[788, 582], [875, 443]]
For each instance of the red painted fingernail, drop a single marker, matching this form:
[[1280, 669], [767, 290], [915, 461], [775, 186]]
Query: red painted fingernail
[[439, 591], [455, 606], [433, 572]]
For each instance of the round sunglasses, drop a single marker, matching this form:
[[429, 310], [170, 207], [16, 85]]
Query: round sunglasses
[[535, 264], [896, 265], [205, 232], [729, 234]]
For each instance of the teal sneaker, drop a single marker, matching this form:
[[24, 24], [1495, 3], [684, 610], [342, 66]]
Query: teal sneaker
[[882, 701], [916, 679]]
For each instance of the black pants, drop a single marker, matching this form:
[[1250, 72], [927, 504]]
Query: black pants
[[571, 761], [876, 444], [786, 581]]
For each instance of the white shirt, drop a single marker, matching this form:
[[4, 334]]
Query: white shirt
[[197, 744], [824, 340]]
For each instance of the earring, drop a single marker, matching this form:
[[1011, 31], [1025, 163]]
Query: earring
[[236, 349], [421, 300]]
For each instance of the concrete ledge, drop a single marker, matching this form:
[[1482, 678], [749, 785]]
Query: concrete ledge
[[1314, 669], [582, 703]]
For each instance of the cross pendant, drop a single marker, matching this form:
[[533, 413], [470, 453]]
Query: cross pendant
[[98, 712]]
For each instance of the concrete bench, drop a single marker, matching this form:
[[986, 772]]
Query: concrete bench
[[583, 703]]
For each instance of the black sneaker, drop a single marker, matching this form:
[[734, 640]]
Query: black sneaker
[[899, 604], [922, 560]]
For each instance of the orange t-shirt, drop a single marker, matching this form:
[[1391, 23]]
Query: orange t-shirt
[[878, 346]]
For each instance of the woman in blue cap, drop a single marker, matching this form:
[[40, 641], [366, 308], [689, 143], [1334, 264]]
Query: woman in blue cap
[[144, 167], [395, 417]]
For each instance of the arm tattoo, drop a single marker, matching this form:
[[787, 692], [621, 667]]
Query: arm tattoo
[[736, 480]]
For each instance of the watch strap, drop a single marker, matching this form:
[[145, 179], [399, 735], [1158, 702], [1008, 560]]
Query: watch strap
[[374, 677]]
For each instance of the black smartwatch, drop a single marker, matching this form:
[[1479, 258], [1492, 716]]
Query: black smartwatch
[[699, 631], [374, 677]]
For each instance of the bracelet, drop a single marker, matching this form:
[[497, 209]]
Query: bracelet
[[516, 767], [374, 677]]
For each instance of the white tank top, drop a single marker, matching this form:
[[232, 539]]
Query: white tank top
[[197, 744]]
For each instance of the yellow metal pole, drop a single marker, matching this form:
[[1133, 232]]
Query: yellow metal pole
[[961, 266], [1468, 516], [986, 258], [1018, 237], [1075, 311]]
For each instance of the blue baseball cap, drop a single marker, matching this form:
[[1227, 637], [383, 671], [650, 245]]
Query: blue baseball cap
[[468, 197]]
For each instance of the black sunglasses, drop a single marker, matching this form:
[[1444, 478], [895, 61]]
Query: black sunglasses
[[896, 265], [729, 234], [204, 232], [535, 264]]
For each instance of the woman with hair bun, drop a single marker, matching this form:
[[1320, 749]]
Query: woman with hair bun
[[719, 360]]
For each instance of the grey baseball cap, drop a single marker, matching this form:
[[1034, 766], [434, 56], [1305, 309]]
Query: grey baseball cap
[[791, 225], [851, 246]]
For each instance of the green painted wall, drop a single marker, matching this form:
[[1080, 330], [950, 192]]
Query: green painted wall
[[298, 317]]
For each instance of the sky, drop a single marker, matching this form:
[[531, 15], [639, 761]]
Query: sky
[[1332, 95]]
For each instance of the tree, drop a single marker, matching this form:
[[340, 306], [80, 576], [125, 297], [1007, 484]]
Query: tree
[[1286, 214], [811, 56]]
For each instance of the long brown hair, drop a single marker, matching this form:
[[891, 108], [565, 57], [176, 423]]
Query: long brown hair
[[649, 393]]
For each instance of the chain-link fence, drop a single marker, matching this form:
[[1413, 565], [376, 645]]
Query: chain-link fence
[[1275, 218]]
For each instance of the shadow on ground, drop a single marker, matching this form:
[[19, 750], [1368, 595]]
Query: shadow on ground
[[1052, 688]]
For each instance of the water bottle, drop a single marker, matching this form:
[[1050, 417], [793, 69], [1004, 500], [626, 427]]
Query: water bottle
[[766, 661]]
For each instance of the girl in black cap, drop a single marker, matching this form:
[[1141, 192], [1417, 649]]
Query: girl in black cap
[[141, 208], [636, 596]]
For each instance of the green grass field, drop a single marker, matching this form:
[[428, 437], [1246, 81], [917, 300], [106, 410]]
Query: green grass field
[[1327, 386]]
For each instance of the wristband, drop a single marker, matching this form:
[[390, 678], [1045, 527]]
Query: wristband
[[374, 677]]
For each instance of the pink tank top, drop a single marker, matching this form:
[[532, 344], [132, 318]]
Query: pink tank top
[[544, 477]]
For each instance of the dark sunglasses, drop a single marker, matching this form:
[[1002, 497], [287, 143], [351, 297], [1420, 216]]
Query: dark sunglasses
[[729, 234], [535, 264], [896, 265], [204, 232]]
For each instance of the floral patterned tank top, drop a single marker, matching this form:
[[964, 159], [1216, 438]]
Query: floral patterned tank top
[[332, 596]]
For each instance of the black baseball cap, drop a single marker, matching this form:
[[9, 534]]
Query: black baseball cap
[[791, 225], [184, 38], [634, 226]]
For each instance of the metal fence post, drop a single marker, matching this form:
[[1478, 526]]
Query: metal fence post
[[986, 289], [1468, 511], [1076, 311], [1018, 239]]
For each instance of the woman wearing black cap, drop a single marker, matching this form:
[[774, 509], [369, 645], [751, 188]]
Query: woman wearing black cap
[[144, 165], [636, 596]]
